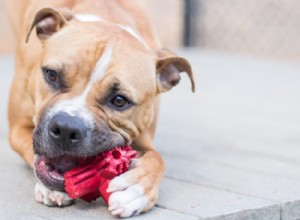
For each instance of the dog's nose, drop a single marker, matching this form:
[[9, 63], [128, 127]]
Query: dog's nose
[[66, 131]]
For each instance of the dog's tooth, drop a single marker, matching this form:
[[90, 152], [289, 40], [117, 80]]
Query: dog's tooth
[[55, 175], [61, 178]]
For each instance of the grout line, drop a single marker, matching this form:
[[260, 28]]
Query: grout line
[[177, 211], [280, 204], [218, 188], [232, 165]]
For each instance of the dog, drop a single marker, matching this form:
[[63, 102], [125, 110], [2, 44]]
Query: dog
[[88, 77]]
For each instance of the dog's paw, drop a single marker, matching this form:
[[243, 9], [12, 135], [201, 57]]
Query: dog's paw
[[49, 197], [133, 192]]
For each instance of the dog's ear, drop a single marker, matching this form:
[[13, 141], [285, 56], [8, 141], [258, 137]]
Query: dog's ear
[[168, 68], [48, 21]]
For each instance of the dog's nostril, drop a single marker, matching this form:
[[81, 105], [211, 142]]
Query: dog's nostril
[[74, 137], [56, 131]]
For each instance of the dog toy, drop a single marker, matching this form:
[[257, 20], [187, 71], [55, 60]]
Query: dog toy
[[91, 178]]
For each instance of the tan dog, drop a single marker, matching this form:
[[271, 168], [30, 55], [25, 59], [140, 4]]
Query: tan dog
[[88, 78]]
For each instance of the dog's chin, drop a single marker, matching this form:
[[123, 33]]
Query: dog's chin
[[50, 171]]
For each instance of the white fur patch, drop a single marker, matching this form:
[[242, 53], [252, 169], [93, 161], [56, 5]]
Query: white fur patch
[[95, 18], [74, 107], [88, 17], [99, 70], [128, 197], [128, 202], [49, 197], [134, 33]]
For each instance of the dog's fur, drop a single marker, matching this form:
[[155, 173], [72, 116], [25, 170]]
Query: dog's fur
[[99, 49]]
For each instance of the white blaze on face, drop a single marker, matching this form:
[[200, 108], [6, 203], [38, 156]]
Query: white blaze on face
[[99, 70], [134, 33], [88, 17], [77, 106]]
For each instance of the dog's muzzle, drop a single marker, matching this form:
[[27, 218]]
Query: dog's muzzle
[[61, 139]]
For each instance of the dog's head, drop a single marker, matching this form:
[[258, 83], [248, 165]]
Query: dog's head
[[95, 87]]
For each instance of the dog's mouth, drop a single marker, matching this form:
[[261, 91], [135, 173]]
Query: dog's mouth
[[50, 171]]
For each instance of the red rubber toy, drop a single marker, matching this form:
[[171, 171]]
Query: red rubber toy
[[91, 178]]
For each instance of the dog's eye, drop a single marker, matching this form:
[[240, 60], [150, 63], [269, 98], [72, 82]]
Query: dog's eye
[[54, 80], [51, 75], [120, 102]]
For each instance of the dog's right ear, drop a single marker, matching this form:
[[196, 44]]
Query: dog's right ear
[[168, 67], [48, 21]]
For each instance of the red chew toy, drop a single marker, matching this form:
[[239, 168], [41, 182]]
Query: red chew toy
[[91, 178]]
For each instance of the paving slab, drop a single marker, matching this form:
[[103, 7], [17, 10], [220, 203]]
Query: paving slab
[[257, 185], [227, 156], [210, 203]]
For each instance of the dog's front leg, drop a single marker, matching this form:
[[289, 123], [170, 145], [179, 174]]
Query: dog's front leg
[[20, 137], [137, 190]]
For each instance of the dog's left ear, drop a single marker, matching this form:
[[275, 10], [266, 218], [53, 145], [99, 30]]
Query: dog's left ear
[[168, 68], [48, 21]]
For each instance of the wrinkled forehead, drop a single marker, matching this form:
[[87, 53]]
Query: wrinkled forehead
[[90, 38], [72, 46], [134, 69], [90, 53]]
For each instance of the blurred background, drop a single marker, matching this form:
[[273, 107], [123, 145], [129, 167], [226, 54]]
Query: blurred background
[[268, 28]]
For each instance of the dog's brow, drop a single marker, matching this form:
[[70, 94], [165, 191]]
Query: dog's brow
[[58, 67], [115, 87]]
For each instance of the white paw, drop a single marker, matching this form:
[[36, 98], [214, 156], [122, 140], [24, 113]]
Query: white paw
[[128, 202], [132, 192], [49, 197]]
